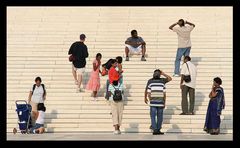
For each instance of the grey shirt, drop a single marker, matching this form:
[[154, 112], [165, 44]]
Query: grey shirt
[[135, 40]]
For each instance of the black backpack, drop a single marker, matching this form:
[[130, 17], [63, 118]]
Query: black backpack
[[117, 96], [34, 86]]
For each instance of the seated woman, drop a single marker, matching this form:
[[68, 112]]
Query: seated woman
[[215, 106]]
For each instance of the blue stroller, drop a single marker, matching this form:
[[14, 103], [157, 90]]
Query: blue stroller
[[24, 116]]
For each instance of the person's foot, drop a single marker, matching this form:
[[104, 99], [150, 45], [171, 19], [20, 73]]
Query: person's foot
[[41, 130], [183, 114], [191, 113], [155, 132], [116, 132], [37, 131], [213, 133], [176, 75], [119, 132], [143, 59], [127, 59], [76, 82], [14, 131], [95, 98], [160, 133]]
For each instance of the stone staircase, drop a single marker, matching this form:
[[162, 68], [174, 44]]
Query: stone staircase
[[38, 39]]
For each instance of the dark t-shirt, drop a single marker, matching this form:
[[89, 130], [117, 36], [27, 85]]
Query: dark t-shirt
[[135, 40], [80, 51]]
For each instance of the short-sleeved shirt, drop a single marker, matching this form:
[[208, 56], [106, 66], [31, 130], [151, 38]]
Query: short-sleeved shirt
[[157, 89], [112, 88], [183, 36], [80, 51], [138, 39], [192, 71], [37, 96], [113, 75], [41, 116]]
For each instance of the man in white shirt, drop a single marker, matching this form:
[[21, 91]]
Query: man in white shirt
[[184, 42], [188, 68]]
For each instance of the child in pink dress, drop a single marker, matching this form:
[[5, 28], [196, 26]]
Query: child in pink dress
[[94, 81]]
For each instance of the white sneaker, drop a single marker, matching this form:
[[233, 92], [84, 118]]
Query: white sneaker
[[176, 75], [95, 98], [119, 132], [116, 132]]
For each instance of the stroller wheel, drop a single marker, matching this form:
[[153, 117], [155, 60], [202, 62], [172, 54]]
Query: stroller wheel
[[14, 130]]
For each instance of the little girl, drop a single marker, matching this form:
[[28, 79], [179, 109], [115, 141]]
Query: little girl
[[94, 81], [40, 115]]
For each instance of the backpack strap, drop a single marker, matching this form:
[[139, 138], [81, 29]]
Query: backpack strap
[[44, 90], [34, 86]]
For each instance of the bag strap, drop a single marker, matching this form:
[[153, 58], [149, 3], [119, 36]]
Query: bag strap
[[115, 87], [188, 69], [34, 86], [44, 91]]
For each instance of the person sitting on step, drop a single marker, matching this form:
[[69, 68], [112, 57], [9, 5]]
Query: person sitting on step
[[135, 44], [40, 115]]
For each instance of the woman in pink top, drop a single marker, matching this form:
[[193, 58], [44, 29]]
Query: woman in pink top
[[94, 81]]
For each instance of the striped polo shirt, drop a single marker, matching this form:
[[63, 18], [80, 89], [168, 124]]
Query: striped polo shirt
[[157, 89]]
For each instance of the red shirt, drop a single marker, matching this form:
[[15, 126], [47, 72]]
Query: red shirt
[[113, 75]]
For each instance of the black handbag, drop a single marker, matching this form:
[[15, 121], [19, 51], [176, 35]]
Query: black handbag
[[187, 78]]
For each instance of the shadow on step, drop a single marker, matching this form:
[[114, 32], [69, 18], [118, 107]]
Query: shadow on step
[[133, 128], [174, 129], [52, 115], [196, 60]]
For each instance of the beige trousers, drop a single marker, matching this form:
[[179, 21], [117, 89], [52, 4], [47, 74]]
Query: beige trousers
[[117, 112]]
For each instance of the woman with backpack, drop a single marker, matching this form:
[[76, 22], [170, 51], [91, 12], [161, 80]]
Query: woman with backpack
[[115, 93]]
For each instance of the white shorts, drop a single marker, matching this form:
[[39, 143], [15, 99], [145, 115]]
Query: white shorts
[[134, 50], [79, 71]]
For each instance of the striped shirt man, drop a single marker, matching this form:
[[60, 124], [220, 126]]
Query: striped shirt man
[[157, 90]]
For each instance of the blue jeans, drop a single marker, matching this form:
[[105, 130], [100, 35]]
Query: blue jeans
[[36, 127], [180, 52], [156, 111]]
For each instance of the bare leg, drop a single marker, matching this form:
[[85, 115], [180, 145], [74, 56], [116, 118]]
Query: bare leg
[[126, 51], [79, 80], [143, 50], [74, 74], [94, 93], [116, 127]]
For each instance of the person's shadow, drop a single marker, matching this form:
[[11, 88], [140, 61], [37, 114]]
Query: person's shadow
[[196, 60], [49, 117]]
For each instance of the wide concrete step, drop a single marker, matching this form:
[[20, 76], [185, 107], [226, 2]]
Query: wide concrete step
[[130, 130]]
